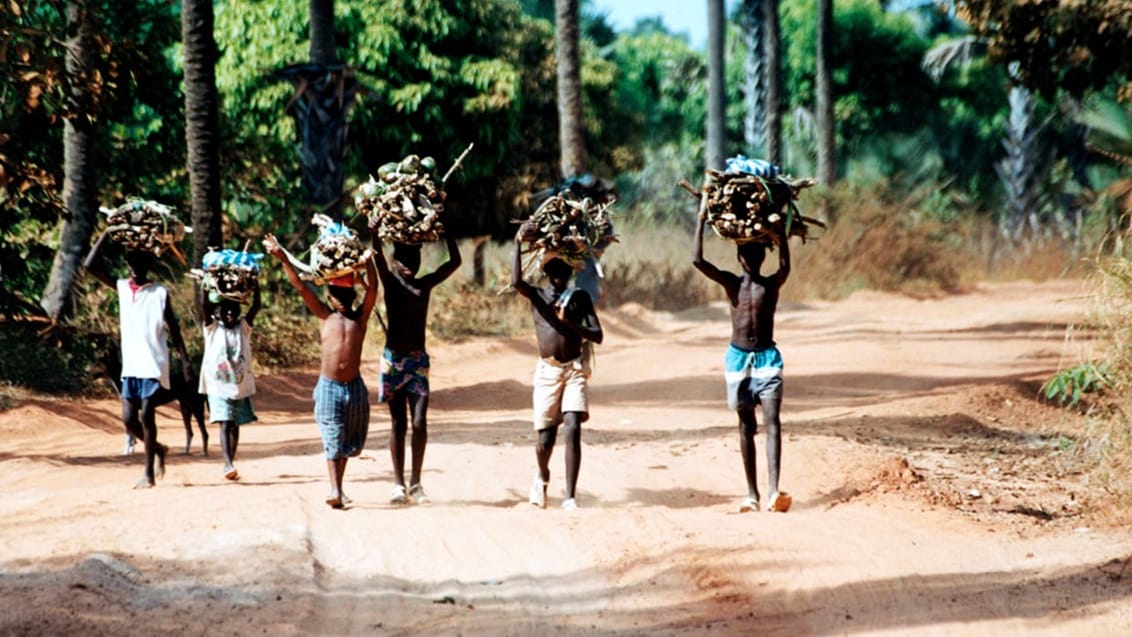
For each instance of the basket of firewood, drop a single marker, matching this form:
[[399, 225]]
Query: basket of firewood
[[146, 226], [568, 228], [407, 199], [228, 274], [754, 206], [337, 253]]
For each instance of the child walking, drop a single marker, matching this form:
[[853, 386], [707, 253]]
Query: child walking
[[226, 375]]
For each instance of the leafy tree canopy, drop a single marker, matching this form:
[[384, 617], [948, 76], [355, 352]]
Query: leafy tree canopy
[[1074, 46]]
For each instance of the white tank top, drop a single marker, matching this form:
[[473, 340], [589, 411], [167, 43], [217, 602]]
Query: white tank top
[[145, 348]]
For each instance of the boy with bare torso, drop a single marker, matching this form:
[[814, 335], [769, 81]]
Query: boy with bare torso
[[753, 364], [341, 401], [565, 322], [404, 361]]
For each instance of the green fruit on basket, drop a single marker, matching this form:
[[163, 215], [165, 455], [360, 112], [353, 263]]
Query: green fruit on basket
[[410, 164], [428, 164], [387, 171]]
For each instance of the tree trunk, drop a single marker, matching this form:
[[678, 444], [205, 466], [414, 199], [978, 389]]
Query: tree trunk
[[827, 162], [323, 49], [754, 78], [326, 92], [80, 191], [571, 131], [716, 113], [772, 50], [202, 124]]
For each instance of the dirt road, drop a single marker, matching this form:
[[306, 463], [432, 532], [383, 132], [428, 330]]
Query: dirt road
[[924, 473]]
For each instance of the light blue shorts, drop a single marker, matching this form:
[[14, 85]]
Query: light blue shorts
[[752, 376]]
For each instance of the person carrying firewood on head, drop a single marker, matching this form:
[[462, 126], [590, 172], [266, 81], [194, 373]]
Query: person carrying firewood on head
[[405, 361], [752, 364], [565, 322], [226, 374], [147, 323], [341, 400]]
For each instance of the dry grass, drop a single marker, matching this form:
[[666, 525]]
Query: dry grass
[[1105, 451]]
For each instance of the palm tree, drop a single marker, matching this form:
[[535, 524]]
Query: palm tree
[[762, 125], [754, 77], [772, 50], [826, 146], [325, 93], [716, 112], [571, 137], [80, 191], [202, 123]]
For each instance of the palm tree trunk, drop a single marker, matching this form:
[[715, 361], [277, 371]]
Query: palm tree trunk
[[326, 92], [322, 46], [754, 78], [202, 124], [827, 162], [571, 132], [772, 49], [716, 115], [80, 191]]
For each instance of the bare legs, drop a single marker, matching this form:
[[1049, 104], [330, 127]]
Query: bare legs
[[747, 426], [398, 407], [140, 421], [572, 435], [229, 441]]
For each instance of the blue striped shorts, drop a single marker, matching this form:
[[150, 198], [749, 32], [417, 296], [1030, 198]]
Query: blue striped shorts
[[752, 376], [342, 413]]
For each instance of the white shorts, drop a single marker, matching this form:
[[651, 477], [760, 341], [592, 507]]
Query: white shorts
[[559, 388]]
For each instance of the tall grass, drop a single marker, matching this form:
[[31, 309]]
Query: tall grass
[[1106, 448]]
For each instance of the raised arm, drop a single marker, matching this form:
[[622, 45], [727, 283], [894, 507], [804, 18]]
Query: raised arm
[[253, 310], [379, 254], [370, 298], [783, 261], [207, 308], [178, 340], [91, 261], [517, 282], [589, 327], [698, 260], [312, 302], [446, 269]]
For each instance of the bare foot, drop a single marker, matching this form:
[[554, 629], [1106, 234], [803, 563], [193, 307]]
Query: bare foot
[[145, 483]]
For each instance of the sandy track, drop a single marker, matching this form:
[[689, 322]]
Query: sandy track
[[897, 412]]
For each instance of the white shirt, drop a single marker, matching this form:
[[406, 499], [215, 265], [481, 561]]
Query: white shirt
[[226, 370], [145, 348]]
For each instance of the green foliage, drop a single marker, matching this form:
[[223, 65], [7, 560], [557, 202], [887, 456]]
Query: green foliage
[[1070, 46], [1069, 386], [131, 93]]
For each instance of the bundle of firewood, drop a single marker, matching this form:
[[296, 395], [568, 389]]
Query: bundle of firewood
[[567, 228], [407, 199], [745, 207], [228, 274], [146, 225], [338, 252]]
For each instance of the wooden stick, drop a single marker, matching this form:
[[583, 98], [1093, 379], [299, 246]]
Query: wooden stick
[[457, 163]]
